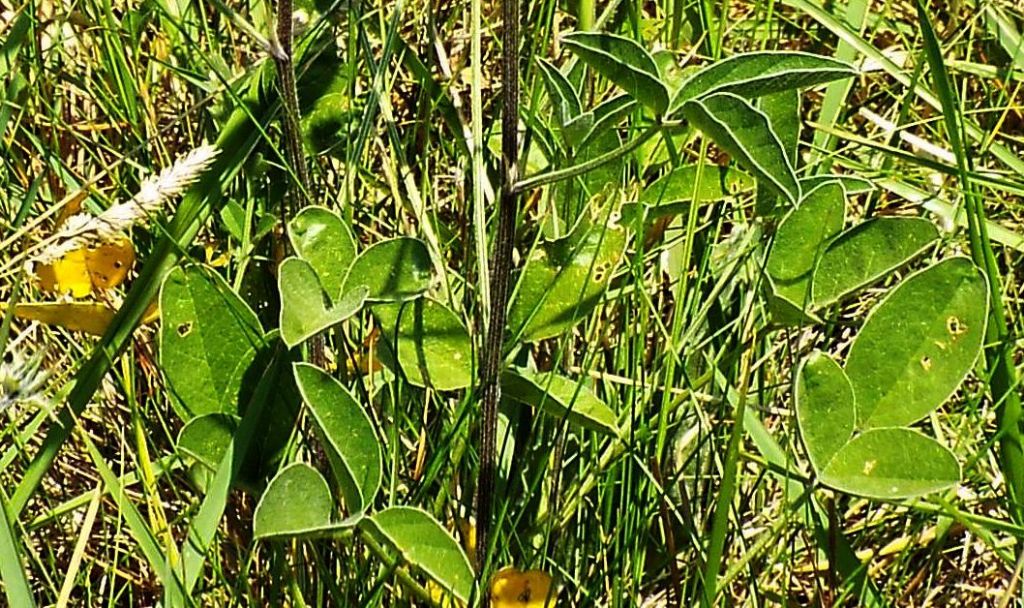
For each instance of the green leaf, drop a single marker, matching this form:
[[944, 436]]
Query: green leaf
[[395, 270], [762, 73], [745, 133], [918, 344], [208, 339], [783, 111], [320, 237], [560, 397], [801, 238], [607, 114], [563, 96], [852, 184], [825, 408], [868, 252], [563, 280], [434, 348], [305, 308], [351, 442], [671, 193], [624, 62], [891, 463], [297, 502], [206, 438], [424, 544]]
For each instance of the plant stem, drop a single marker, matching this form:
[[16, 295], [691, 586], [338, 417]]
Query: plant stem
[[501, 266]]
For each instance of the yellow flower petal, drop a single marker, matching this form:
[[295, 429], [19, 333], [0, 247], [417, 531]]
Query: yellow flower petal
[[511, 588]]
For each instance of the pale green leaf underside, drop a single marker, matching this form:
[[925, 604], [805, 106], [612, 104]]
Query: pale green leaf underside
[[348, 433], [306, 310], [624, 62], [560, 397], [825, 408], [425, 544], [320, 237], [745, 133], [296, 502], [434, 347]]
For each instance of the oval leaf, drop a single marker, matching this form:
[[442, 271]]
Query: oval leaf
[[561, 397], [320, 237], [563, 96], [756, 74], [801, 238], [746, 134], [423, 543], [891, 463], [207, 438], [305, 309], [348, 432], [918, 344], [624, 62], [297, 502], [396, 270], [208, 339], [868, 252], [563, 280], [434, 348], [825, 408]]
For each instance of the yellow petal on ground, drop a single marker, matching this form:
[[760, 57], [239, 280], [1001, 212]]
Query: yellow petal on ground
[[70, 274], [90, 317], [82, 270], [511, 588], [110, 263]]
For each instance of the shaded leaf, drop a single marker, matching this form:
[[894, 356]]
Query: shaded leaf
[[868, 252], [425, 544], [395, 270], [208, 339], [918, 344], [434, 347], [348, 433], [206, 438], [891, 463], [561, 397], [671, 193], [851, 183], [563, 280], [624, 62], [744, 132]]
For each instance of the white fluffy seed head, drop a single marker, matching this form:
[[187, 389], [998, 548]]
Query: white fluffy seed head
[[84, 230]]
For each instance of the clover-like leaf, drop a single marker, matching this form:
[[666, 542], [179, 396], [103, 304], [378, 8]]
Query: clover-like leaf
[[761, 73], [351, 442], [563, 280], [745, 132], [297, 502], [208, 339], [434, 347], [918, 344], [321, 238], [825, 408], [306, 309], [395, 270], [799, 241], [891, 463]]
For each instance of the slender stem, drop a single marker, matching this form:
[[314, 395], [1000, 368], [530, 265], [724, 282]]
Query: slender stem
[[549, 177], [297, 194], [501, 266]]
